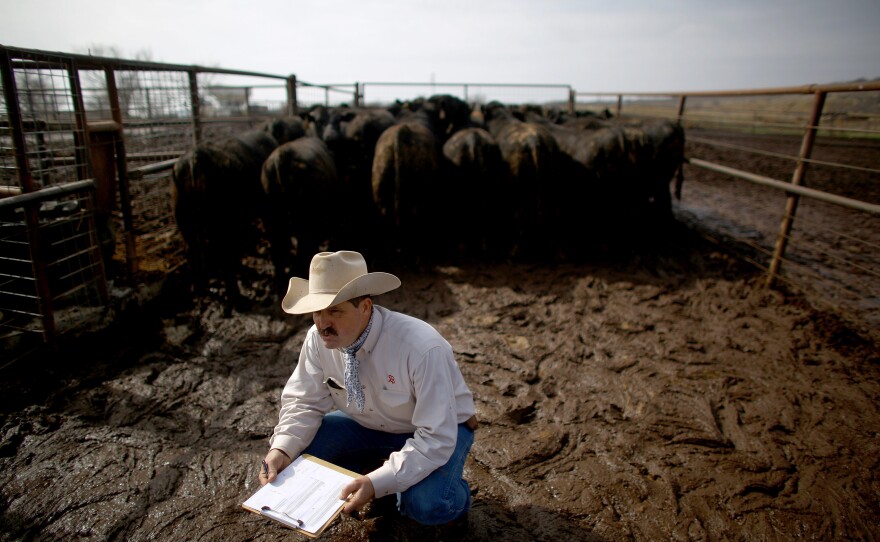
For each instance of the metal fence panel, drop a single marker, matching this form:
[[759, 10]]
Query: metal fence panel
[[51, 264], [66, 118]]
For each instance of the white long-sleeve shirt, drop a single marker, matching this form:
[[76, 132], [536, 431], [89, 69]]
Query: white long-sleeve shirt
[[412, 384]]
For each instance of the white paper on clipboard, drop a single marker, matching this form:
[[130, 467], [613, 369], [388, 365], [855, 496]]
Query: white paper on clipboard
[[304, 496]]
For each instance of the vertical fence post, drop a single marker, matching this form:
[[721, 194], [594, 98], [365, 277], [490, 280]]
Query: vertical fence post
[[571, 100], [680, 114], [357, 94], [194, 100], [679, 174], [103, 138], [796, 179], [292, 105], [122, 171], [13, 111], [619, 104]]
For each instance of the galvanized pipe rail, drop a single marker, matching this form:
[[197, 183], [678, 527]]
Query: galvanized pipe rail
[[45, 194], [819, 195]]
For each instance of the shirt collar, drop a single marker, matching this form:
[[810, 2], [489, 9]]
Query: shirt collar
[[355, 346], [377, 321]]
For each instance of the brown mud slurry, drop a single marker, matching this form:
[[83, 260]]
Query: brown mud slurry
[[659, 394]]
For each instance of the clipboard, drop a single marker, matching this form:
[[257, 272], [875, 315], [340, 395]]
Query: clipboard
[[304, 497]]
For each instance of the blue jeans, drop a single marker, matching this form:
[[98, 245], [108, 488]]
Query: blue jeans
[[442, 497]]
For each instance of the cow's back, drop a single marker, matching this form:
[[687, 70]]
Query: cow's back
[[404, 184], [300, 183]]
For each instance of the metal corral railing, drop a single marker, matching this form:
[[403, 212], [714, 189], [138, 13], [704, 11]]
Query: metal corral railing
[[87, 143], [811, 156], [548, 95], [384, 94], [86, 147], [95, 138]]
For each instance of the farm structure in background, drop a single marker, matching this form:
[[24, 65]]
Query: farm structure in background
[[89, 145]]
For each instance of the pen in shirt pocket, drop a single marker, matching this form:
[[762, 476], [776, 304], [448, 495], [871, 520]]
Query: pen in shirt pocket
[[333, 384]]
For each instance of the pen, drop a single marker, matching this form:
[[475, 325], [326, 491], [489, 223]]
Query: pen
[[266, 468], [299, 522]]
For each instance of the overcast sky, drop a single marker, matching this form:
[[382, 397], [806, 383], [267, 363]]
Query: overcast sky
[[599, 46]]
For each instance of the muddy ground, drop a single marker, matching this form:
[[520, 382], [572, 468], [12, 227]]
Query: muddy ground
[[658, 392]]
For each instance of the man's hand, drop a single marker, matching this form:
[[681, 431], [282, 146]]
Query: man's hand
[[358, 492], [275, 462]]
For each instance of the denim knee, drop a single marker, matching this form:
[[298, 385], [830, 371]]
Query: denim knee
[[426, 505], [444, 495]]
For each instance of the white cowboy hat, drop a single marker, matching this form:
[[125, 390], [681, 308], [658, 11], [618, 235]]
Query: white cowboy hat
[[334, 277]]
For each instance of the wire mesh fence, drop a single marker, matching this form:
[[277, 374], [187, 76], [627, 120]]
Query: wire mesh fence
[[56, 143], [155, 109], [310, 95], [121, 125], [61, 289]]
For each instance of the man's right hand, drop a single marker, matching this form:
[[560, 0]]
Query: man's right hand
[[275, 462]]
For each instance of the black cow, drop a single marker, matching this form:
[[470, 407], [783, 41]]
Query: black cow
[[217, 202], [285, 129], [632, 164], [405, 175], [621, 171], [536, 188], [656, 149], [599, 153], [473, 190], [315, 119], [443, 114], [449, 115], [351, 135], [300, 181]]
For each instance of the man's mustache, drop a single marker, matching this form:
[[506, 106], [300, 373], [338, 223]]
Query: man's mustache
[[328, 331]]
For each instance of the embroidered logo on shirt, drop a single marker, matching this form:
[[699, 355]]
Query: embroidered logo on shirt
[[391, 379]]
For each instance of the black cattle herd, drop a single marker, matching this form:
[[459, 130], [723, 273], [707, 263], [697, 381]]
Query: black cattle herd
[[424, 180]]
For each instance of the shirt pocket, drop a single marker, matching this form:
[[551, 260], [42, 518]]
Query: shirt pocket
[[335, 387], [337, 392]]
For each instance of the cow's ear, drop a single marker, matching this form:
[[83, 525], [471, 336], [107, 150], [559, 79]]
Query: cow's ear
[[348, 116]]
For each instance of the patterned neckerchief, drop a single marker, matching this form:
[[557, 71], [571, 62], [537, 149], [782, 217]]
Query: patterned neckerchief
[[353, 388]]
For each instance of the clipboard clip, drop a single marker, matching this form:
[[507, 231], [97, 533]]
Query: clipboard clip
[[299, 522]]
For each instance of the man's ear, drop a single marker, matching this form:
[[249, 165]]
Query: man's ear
[[367, 305]]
